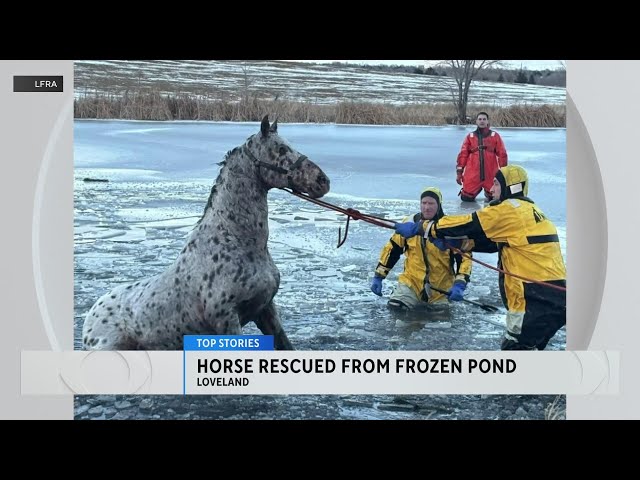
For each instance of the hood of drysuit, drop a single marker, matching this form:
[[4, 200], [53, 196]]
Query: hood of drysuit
[[514, 182], [436, 194]]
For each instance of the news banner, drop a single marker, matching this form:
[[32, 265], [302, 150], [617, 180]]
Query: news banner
[[248, 364]]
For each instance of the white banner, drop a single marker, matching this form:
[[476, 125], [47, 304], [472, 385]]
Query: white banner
[[306, 372]]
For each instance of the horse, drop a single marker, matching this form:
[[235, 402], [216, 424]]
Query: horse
[[224, 277]]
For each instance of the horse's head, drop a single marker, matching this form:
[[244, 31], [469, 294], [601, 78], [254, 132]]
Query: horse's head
[[281, 166]]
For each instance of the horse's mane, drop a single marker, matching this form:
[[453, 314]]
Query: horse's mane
[[213, 192]]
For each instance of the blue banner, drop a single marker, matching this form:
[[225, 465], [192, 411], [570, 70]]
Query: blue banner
[[228, 342]]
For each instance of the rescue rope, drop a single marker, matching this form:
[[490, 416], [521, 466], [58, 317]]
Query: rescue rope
[[539, 282], [385, 223], [349, 212]]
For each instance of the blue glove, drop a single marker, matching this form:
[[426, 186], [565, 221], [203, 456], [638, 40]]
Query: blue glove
[[376, 285], [440, 243], [454, 243], [457, 290], [407, 229]]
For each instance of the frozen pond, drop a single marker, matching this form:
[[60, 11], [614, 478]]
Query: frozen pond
[[160, 176]]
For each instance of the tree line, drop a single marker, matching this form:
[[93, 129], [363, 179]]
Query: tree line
[[546, 77]]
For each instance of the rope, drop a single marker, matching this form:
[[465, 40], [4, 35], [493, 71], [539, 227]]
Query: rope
[[382, 222], [539, 282], [349, 212]]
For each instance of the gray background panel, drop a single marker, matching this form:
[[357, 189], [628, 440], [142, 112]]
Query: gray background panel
[[606, 99], [36, 289]]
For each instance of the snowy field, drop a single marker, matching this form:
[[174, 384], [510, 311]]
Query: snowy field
[[303, 82]]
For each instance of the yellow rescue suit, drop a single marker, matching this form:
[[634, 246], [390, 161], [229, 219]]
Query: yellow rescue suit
[[424, 264], [528, 245]]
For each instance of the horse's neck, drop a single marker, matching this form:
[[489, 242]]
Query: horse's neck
[[239, 207]]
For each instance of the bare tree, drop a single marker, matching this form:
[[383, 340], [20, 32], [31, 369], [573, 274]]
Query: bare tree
[[247, 81], [463, 72]]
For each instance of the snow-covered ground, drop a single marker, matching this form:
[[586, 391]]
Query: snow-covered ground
[[305, 82]]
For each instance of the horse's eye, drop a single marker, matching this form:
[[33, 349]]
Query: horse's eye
[[283, 150]]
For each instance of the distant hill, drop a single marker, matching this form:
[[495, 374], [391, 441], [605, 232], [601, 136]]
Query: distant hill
[[320, 84], [510, 73]]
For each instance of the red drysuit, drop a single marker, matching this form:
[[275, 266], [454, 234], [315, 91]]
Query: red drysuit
[[479, 148]]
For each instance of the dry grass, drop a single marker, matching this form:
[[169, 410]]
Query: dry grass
[[151, 105], [533, 116], [555, 411]]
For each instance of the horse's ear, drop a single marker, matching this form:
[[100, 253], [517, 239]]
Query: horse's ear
[[274, 126], [264, 127]]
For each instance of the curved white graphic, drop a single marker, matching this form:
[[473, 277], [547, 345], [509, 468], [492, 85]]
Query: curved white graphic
[[65, 114]]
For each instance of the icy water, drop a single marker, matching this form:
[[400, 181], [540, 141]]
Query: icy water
[[160, 176]]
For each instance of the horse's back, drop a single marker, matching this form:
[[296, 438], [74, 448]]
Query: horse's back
[[105, 325], [152, 314]]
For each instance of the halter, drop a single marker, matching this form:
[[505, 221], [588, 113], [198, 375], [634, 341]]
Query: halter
[[277, 169]]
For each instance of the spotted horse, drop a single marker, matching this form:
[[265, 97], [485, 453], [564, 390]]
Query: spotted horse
[[224, 277]]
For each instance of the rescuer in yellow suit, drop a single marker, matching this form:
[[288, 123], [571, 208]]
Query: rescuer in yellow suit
[[527, 244], [425, 264]]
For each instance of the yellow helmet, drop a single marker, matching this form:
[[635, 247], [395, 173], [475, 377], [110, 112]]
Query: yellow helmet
[[514, 181]]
